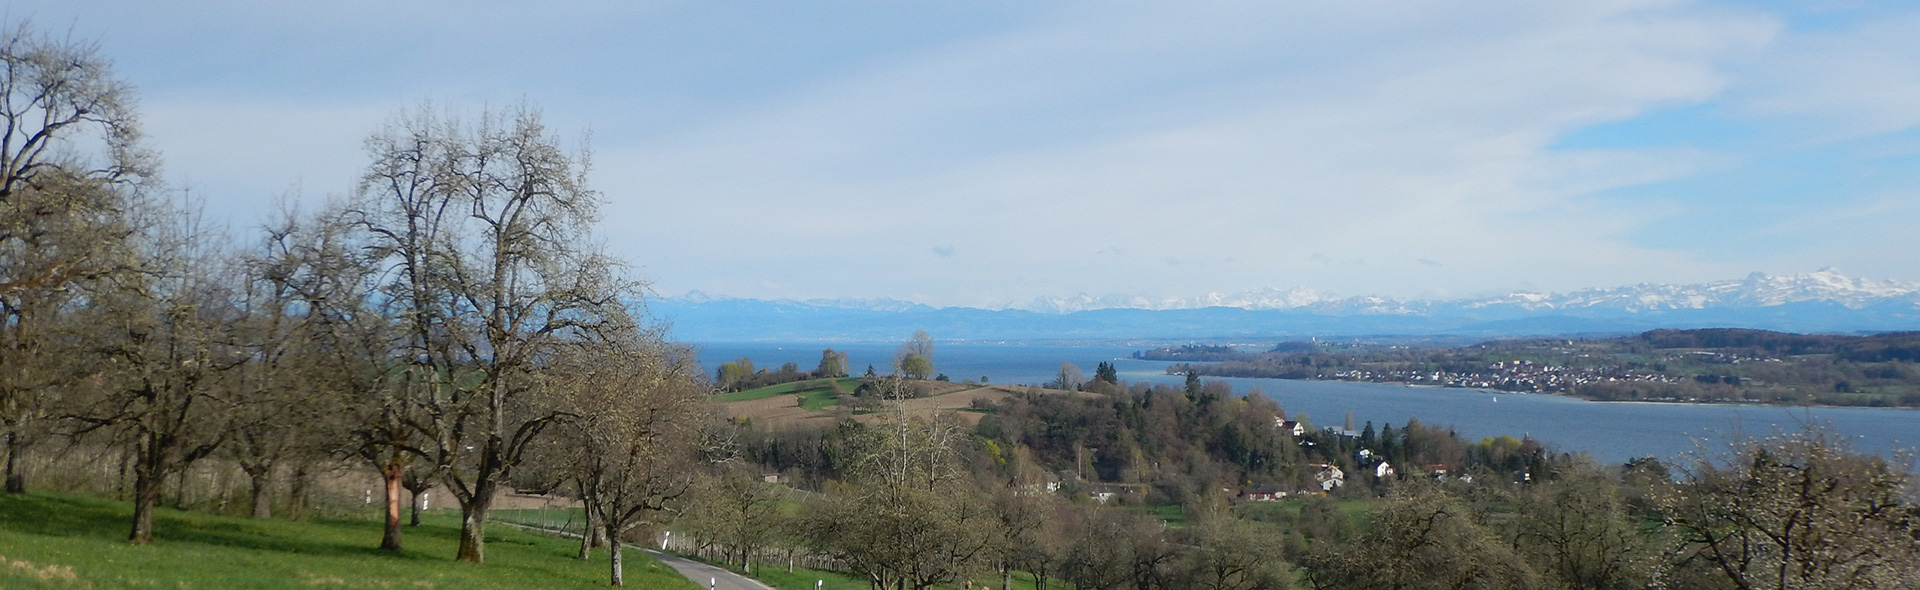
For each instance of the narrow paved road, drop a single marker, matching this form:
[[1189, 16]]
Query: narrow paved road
[[704, 574]]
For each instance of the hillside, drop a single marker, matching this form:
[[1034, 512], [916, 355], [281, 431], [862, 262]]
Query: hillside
[[1718, 364], [814, 403]]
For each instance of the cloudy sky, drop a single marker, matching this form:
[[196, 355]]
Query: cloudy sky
[[978, 153]]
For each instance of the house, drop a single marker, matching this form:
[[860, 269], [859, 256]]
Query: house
[[1263, 493], [1383, 470], [1329, 477], [1293, 428], [1107, 492], [1047, 483], [1440, 472]]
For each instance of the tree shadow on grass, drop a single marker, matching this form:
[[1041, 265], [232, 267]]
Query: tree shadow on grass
[[58, 516], [62, 517]]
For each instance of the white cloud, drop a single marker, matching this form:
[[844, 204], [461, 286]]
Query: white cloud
[[1258, 133], [1845, 82], [790, 151]]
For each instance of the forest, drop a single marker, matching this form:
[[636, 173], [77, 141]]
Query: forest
[[451, 327]]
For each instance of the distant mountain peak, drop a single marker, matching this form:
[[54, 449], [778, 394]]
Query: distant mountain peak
[[1821, 301], [1756, 290]]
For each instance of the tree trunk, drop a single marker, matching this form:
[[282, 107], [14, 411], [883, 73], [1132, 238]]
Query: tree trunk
[[146, 493], [297, 496], [590, 534], [179, 489], [16, 481], [262, 481], [390, 476], [418, 485], [414, 520], [613, 547], [473, 523]]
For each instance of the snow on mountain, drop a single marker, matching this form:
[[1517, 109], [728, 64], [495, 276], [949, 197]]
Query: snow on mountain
[[1263, 298], [1755, 291], [873, 304]]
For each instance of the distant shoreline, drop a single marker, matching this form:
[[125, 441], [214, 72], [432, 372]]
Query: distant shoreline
[[1756, 404]]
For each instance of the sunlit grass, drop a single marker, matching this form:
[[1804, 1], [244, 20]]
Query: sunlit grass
[[74, 542]]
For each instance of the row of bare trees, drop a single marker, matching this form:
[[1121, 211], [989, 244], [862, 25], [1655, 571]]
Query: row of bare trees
[[450, 322]]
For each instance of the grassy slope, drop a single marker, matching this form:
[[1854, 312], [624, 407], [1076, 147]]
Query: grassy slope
[[810, 387], [72, 542]]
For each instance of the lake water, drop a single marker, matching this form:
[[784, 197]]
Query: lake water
[[1610, 431]]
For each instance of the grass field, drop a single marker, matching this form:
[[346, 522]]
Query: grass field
[[810, 387], [67, 542], [1174, 514]]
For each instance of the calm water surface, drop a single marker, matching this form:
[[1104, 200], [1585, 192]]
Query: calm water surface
[[1611, 432]]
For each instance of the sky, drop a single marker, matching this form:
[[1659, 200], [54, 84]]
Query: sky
[[978, 153]]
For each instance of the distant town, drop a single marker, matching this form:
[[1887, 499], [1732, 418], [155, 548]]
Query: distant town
[[1716, 365]]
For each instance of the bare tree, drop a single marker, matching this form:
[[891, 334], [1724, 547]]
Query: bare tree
[[481, 224], [1106, 548], [636, 428], [169, 355], [1070, 376], [1576, 528], [1226, 553], [1422, 537], [909, 518], [285, 393], [737, 510], [915, 357], [1020, 515], [385, 402], [1796, 511], [58, 94], [69, 163]]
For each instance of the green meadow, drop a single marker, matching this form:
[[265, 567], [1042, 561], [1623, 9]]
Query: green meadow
[[50, 541]]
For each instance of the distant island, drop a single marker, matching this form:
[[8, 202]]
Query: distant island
[[1706, 365]]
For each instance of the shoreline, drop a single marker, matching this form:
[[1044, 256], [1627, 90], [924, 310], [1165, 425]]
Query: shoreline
[[1675, 402]]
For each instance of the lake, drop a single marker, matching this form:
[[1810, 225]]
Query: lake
[[1610, 431]]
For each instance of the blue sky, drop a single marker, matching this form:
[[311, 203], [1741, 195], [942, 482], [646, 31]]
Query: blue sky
[[979, 153]]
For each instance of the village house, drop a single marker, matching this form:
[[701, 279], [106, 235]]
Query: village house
[[1108, 492], [1263, 493], [1047, 483], [1329, 476]]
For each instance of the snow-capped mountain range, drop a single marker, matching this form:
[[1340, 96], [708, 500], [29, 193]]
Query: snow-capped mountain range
[[1756, 290], [1823, 301]]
